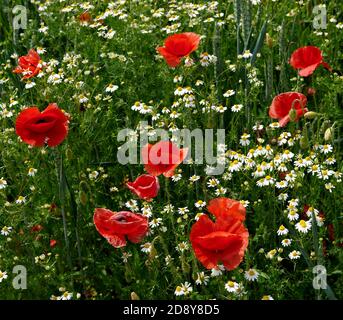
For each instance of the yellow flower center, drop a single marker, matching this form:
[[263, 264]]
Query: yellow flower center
[[303, 223]]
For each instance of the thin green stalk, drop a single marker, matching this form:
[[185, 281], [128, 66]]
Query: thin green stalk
[[62, 196]]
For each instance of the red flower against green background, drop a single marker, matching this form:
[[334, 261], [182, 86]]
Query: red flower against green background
[[283, 103], [37, 128], [223, 241], [178, 46], [145, 186], [29, 65], [117, 227], [307, 60], [162, 158]]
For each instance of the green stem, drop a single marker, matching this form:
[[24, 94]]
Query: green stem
[[62, 196]]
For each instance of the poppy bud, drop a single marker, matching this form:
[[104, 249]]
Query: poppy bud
[[134, 296], [84, 187], [269, 40], [303, 142], [328, 134], [153, 252], [69, 154], [292, 114], [311, 91], [310, 115], [185, 266], [83, 198]]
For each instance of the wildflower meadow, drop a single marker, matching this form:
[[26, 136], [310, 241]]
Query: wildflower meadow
[[171, 150]]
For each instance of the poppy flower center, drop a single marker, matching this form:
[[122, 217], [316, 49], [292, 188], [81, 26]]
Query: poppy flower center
[[42, 121]]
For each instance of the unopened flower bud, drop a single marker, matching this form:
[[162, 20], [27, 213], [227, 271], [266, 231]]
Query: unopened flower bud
[[328, 134], [310, 115], [134, 296], [292, 115], [269, 40]]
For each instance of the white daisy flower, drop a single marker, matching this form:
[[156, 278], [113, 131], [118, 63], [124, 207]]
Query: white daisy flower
[[286, 242], [294, 255], [303, 226], [282, 231], [251, 275]]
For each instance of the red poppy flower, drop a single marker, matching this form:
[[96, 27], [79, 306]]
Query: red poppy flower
[[228, 207], [224, 240], [116, 226], [37, 128], [284, 102], [53, 243], [178, 46], [162, 158], [307, 59], [37, 228], [145, 186], [29, 65]]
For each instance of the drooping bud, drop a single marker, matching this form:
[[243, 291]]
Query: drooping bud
[[328, 134], [134, 296], [310, 115], [304, 142], [269, 40], [83, 198], [292, 114]]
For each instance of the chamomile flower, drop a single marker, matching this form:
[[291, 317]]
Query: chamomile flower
[[182, 246], [202, 278], [182, 211], [329, 186], [281, 184], [292, 215], [5, 231], [217, 271], [111, 88], [20, 200], [200, 204], [32, 172], [326, 148], [220, 191], [244, 141], [325, 174], [212, 183], [311, 210], [179, 291], [236, 107], [3, 183], [125, 256], [303, 226], [194, 178], [294, 255], [282, 197], [251, 275], [231, 286], [330, 161], [146, 247], [3, 275], [186, 288], [176, 177], [267, 297], [268, 180], [282, 231], [155, 222], [229, 93], [66, 296], [286, 242]]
